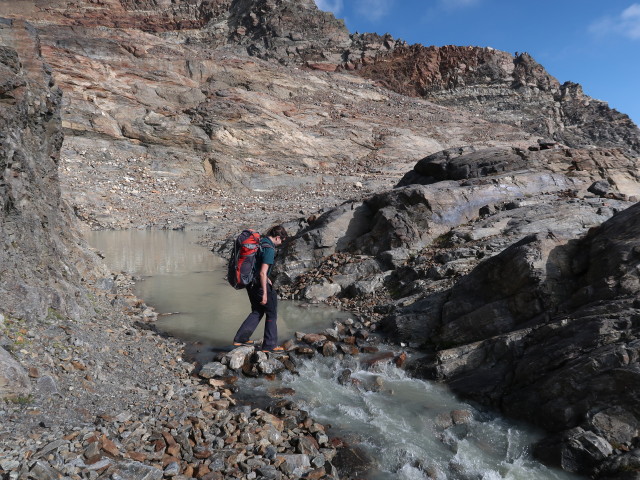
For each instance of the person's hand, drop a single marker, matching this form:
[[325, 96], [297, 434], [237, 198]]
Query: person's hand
[[264, 299]]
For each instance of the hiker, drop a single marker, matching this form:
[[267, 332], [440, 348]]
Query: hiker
[[263, 298]]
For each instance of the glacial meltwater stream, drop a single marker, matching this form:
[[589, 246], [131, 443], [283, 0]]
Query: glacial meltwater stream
[[405, 425]]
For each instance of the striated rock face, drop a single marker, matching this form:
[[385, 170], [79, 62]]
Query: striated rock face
[[449, 189], [515, 90], [498, 269], [190, 98], [548, 331], [41, 263], [171, 117]]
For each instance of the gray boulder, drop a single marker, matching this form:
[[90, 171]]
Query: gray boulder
[[14, 381]]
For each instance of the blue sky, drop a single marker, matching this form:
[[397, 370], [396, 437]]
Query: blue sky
[[592, 42]]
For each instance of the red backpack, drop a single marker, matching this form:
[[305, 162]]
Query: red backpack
[[241, 268]]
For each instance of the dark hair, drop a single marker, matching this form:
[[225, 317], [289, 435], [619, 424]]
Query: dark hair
[[277, 231]]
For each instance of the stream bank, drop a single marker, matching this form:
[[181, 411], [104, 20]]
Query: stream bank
[[351, 363]]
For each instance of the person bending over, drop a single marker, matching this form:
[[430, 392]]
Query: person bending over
[[263, 298]]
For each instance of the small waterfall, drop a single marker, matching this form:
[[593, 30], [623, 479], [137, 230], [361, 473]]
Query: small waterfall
[[412, 429]]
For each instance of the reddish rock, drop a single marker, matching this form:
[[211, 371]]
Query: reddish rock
[[201, 452], [377, 359], [314, 339], [329, 349], [137, 456], [316, 474], [168, 438], [202, 470], [349, 349], [174, 450], [167, 459], [305, 351], [109, 447], [401, 359], [188, 471]]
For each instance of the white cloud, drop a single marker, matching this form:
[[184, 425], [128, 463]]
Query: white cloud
[[626, 24], [334, 6], [373, 10]]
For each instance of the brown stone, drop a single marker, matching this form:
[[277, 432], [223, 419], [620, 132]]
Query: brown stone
[[167, 459], [314, 339], [79, 365], [306, 351], [71, 436], [349, 349], [201, 452], [401, 359], [281, 392], [168, 438], [93, 459], [202, 470], [188, 471], [378, 359], [289, 344], [316, 474], [173, 450], [269, 419], [137, 456], [109, 447]]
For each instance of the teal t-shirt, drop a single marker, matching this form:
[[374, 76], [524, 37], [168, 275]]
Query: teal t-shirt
[[268, 253]]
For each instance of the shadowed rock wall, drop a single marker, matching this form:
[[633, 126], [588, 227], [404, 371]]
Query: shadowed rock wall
[[41, 262]]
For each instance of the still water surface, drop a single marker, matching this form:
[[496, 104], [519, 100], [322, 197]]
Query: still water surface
[[187, 280], [399, 423]]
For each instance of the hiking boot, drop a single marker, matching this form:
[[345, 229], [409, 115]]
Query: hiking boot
[[274, 350]]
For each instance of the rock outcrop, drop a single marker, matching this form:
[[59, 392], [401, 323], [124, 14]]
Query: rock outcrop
[[515, 90], [42, 261], [495, 264]]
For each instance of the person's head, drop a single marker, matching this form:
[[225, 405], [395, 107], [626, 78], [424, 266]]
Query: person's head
[[278, 234]]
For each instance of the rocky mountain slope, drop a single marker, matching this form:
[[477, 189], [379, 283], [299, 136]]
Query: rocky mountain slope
[[187, 98], [507, 254]]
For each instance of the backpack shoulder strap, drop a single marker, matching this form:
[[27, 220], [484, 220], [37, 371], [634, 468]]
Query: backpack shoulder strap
[[264, 243]]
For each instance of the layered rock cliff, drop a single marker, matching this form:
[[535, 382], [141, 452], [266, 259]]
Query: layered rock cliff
[[167, 92], [515, 90]]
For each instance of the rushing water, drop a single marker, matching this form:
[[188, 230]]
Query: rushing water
[[398, 420]]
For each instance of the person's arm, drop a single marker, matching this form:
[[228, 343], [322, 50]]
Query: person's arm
[[264, 268]]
